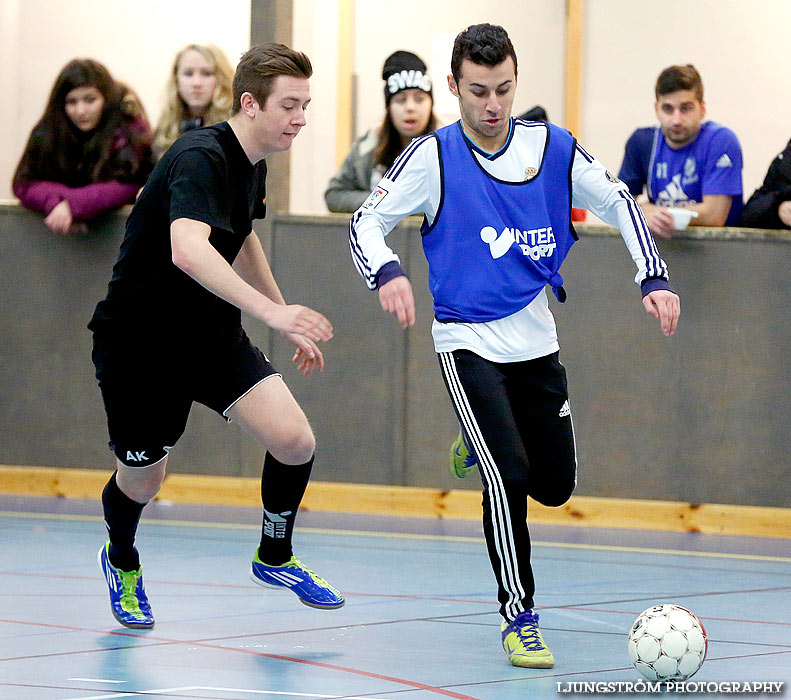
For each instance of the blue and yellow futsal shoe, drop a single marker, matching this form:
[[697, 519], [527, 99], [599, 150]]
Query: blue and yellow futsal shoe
[[128, 600], [524, 644], [462, 460], [312, 590]]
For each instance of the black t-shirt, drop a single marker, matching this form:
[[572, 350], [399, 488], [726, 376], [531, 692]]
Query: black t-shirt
[[205, 176]]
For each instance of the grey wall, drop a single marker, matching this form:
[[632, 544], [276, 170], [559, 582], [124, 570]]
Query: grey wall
[[702, 416]]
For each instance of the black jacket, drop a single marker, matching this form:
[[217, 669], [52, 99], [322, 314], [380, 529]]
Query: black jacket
[[761, 210]]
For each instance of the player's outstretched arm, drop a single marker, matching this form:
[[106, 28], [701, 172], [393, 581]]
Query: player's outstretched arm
[[192, 253], [253, 266], [396, 298], [666, 306]]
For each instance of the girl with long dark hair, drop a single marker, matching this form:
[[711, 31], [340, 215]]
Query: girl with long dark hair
[[89, 153]]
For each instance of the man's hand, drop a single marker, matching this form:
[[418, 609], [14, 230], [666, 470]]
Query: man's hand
[[299, 320], [784, 212], [396, 297], [307, 356], [659, 220], [664, 305], [59, 219]]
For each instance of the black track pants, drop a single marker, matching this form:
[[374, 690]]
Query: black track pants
[[517, 418]]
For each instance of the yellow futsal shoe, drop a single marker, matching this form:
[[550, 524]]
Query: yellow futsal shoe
[[462, 460], [524, 644]]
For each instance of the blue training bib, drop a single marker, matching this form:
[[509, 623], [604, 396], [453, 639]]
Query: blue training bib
[[494, 245]]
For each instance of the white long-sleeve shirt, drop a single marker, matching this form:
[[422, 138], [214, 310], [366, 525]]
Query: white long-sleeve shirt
[[413, 186]]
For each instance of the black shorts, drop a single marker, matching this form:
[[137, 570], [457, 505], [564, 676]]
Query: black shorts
[[149, 383]]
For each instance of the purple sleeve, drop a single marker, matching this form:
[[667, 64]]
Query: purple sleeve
[[41, 195], [652, 284], [388, 271], [90, 201]]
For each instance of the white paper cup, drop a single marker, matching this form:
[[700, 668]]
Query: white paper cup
[[681, 217]]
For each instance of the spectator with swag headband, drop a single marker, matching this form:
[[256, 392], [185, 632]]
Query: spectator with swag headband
[[409, 113], [684, 162], [88, 154], [198, 93]]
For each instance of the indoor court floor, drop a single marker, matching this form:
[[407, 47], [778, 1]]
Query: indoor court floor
[[420, 620]]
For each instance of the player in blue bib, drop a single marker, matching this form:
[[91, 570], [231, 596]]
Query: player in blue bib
[[684, 162], [527, 226], [496, 194]]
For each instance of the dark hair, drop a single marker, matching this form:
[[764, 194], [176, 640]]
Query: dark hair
[[388, 144], [676, 78], [119, 147], [483, 44], [259, 67]]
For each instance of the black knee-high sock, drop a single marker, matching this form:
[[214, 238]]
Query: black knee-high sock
[[282, 488], [121, 515]]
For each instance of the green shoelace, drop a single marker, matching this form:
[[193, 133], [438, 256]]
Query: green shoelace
[[129, 601]]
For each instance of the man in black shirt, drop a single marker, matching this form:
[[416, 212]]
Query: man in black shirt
[[169, 331]]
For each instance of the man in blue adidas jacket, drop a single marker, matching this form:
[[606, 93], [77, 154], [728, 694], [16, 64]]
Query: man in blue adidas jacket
[[684, 162]]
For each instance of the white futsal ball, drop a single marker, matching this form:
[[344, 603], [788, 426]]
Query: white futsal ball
[[667, 643]]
